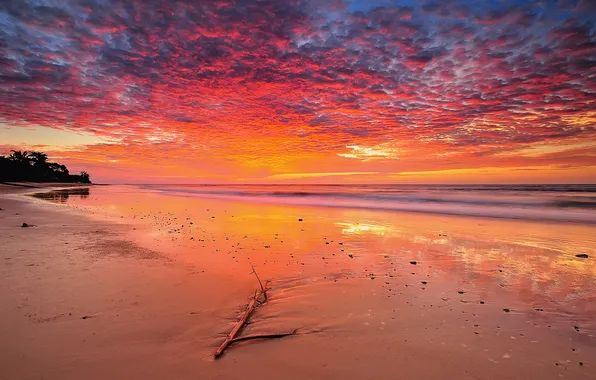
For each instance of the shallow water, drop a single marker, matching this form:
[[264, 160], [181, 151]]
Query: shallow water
[[570, 203], [530, 263], [373, 292]]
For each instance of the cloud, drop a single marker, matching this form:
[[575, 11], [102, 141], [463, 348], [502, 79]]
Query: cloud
[[310, 76], [318, 175], [370, 153]]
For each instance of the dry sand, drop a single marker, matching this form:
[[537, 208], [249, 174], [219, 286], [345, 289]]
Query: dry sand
[[120, 284]]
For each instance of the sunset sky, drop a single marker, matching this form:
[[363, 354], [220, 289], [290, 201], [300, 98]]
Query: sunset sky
[[326, 91]]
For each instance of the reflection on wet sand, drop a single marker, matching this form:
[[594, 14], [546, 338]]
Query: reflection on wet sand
[[63, 195], [534, 262], [363, 228], [531, 263], [509, 296], [504, 294]]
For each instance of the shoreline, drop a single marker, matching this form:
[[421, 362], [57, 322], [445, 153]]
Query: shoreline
[[521, 214], [567, 215], [155, 303], [47, 185], [565, 205]]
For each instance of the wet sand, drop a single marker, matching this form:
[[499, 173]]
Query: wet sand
[[118, 282]]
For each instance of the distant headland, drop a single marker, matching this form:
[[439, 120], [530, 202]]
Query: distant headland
[[26, 166]]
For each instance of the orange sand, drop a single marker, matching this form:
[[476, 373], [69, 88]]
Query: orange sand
[[159, 294]]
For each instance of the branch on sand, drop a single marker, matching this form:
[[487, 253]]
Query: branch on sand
[[263, 336], [259, 294]]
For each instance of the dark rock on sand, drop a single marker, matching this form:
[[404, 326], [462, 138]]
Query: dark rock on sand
[[413, 262], [582, 256], [506, 310], [24, 225]]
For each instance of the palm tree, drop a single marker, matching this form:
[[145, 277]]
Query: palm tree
[[21, 157], [39, 161], [38, 158]]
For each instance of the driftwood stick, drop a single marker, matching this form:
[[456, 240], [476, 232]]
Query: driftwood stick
[[262, 336], [260, 283], [254, 303]]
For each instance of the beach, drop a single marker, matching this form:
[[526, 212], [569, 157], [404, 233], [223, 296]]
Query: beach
[[130, 282]]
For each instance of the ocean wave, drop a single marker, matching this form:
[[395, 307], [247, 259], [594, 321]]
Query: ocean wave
[[559, 203]]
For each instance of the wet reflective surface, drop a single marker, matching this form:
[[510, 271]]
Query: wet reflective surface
[[63, 195], [372, 292], [528, 266]]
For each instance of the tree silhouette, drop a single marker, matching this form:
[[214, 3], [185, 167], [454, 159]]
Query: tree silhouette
[[18, 156], [85, 178], [34, 167]]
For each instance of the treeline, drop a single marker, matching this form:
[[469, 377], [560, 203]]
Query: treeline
[[34, 167]]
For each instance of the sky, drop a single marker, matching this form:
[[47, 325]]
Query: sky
[[292, 91]]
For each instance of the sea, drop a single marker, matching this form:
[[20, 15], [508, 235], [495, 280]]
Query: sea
[[564, 203]]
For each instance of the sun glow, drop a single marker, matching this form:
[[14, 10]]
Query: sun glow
[[370, 153]]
